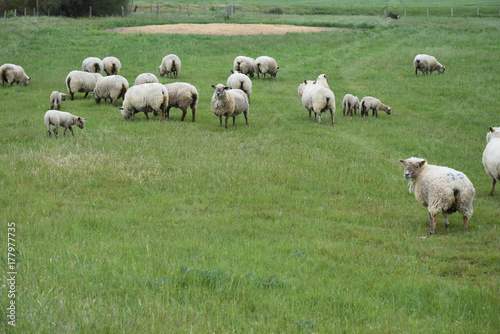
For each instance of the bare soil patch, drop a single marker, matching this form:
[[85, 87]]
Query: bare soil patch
[[222, 29]]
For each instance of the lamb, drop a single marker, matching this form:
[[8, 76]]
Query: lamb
[[56, 98], [182, 95], [80, 81], [318, 99], [112, 87], [92, 65], [440, 189], [265, 65], [491, 156], [245, 65], [370, 103], [148, 97], [145, 78], [350, 103], [320, 80], [60, 118], [239, 80], [229, 102], [170, 65], [111, 65], [11, 74], [426, 63]]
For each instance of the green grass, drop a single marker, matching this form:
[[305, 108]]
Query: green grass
[[284, 225]]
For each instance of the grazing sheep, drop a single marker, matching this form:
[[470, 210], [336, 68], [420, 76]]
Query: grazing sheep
[[170, 65], [350, 103], [370, 103], [491, 156], [182, 95], [239, 80], [145, 78], [229, 102], [11, 74], [111, 65], [245, 65], [265, 65], [60, 118], [318, 99], [440, 189], [148, 97], [92, 65], [320, 80], [426, 63], [112, 87], [82, 82], [56, 98]]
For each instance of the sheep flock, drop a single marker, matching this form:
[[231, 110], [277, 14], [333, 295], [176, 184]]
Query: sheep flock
[[442, 190]]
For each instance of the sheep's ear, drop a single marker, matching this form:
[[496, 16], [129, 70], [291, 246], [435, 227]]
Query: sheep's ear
[[422, 163], [232, 72], [315, 81], [305, 81], [213, 86], [491, 129], [121, 108], [226, 88], [402, 161]]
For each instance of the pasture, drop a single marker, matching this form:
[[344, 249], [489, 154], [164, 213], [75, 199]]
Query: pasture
[[284, 225]]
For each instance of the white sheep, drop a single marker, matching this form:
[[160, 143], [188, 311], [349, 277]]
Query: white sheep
[[60, 118], [111, 87], [239, 80], [56, 98], [111, 65], [318, 99], [92, 65], [350, 104], [11, 74], [229, 102], [245, 65], [370, 103], [266, 65], [82, 82], [170, 65], [320, 80], [491, 156], [148, 97], [426, 63], [440, 189], [145, 78], [182, 95]]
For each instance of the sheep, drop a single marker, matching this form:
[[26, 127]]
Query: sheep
[[491, 156], [170, 65], [426, 63], [318, 99], [369, 102], [264, 65], [80, 81], [112, 87], [11, 74], [229, 102], [239, 80], [350, 103], [245, 65], [111, 65], [56, 98], [440, 189], [145, 78], [92, 65], [60, 118], [320, 80], [148, 97], [182, 95]]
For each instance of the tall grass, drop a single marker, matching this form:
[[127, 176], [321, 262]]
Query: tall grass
[[284, 225]]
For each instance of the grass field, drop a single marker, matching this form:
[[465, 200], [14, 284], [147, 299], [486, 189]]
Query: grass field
[[285, 225]]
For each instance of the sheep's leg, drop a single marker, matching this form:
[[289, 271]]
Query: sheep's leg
[[234, 120], [466, 222], [446, 222], [71, 129], [433, 224], [331, 112], [309, 113], [49, 133], [58, 106], [493, 187], [220, 121], [226, 121], [343, 111], [71, 96], [246, 117], [184, 112], [193, 110], [52, 106], [87, 93], [56, 130], [319, 117], [147, 117]]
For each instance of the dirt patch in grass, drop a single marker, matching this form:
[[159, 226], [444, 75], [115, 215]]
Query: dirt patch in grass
[[222, 29]]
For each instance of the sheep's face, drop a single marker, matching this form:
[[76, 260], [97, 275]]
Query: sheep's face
[[162, 72], [124, 113], [63, 97], [80, 122], [441, 69], [412, 167], [494, 133], [220, 91], [96, 96], [276, 73], [387, 109]]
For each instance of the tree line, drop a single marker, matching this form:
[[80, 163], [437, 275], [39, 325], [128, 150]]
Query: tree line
[[71, 8]]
